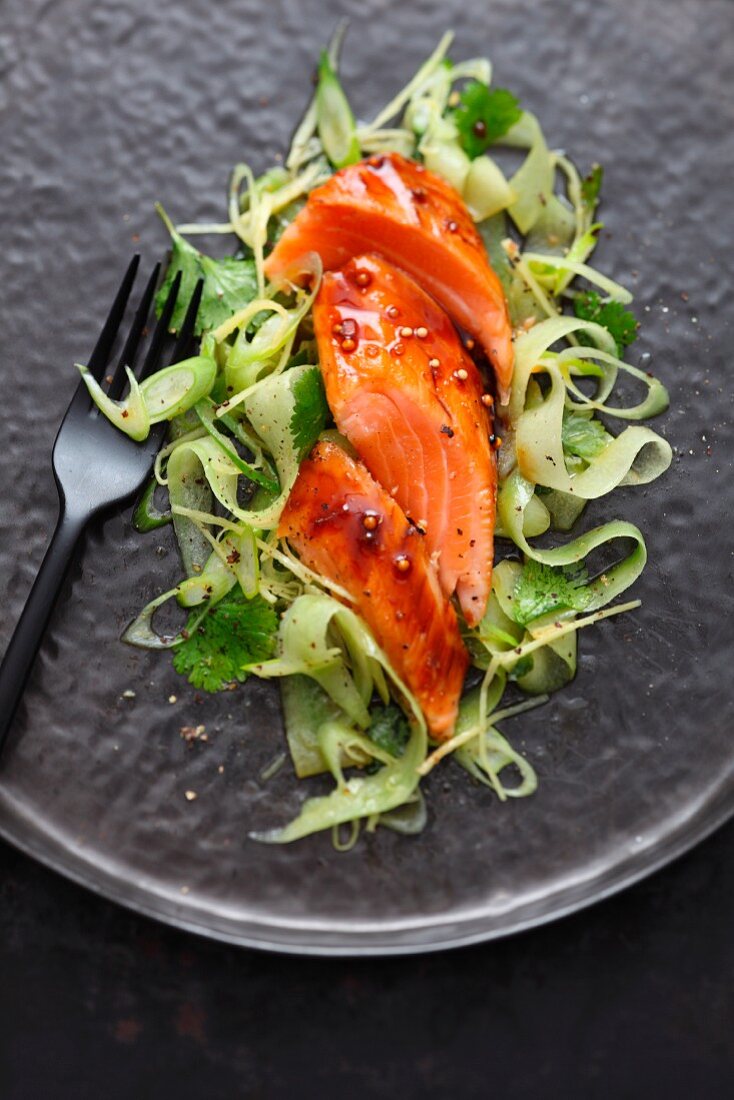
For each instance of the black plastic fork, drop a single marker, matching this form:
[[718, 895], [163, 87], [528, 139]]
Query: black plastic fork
[[95, 466]]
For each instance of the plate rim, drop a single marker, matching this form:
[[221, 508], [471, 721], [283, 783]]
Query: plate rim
[[713, 812]]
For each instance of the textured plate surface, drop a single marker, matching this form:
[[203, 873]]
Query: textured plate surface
[[636, 758]]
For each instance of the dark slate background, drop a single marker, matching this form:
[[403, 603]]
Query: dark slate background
[[629, 999]]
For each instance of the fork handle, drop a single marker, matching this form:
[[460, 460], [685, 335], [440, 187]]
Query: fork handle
[[21, 652]]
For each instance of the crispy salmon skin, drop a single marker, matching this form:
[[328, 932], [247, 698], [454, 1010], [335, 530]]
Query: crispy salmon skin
[[346, 527], [394, 206]]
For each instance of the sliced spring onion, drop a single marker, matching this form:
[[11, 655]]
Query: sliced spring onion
[[165, 395], [210, 586], [334, 118], [131, 415], [141, 633], [170, 392], [214, 582], [305, 144], [146, 516]]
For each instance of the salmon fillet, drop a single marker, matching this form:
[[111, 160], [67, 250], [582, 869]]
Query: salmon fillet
[[395, 206], [346, 527], [409, 398]]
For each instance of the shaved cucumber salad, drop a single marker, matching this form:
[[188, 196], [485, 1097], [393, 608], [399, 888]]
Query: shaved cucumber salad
[[247, 408]]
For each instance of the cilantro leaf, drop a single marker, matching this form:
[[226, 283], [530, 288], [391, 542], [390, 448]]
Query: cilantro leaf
[[236, 632], [583, 436], [389, 729], [483, 116], [619, 322], [229, 283], [591, 186], [310, 411], [543, 588]]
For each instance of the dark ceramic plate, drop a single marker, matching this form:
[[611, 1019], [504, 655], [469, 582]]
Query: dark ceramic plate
[[636, 758]]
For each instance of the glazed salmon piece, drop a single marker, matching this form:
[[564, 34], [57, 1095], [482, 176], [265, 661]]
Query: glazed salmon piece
[[395, 206], [409, 398], [346, 527]]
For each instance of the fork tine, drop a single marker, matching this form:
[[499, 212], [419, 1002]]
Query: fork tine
[[107, 336], [129, 351], [153, 357], [187, 328]]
